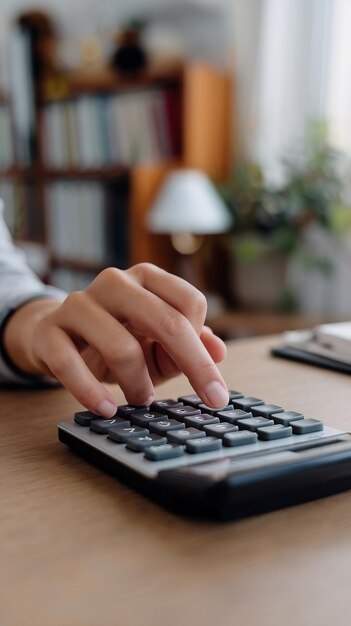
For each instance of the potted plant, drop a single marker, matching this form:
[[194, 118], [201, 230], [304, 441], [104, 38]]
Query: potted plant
[[270, 223]]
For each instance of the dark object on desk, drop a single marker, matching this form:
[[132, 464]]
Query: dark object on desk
[[227, 471], [293, 354]]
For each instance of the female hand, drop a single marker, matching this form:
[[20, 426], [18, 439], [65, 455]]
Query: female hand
[[136, 327]]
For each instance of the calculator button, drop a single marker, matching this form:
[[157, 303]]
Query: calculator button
[[210, 411], [233, 395], [164, 425], [302, 427], [102, 426], [253, 423], [219, 430], [166, 451], [192, 400], [143, 419], [266, 410], [246, 403], [286, 417], [181, 412], [139, 444], [239, 438], [126, 409], [83, 418], [162, 405], [180, 436], [121, 434], [278, 431], [233, 415], [199, 421], [208, 444]]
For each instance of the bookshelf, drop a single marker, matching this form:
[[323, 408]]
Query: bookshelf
[[185, 122]]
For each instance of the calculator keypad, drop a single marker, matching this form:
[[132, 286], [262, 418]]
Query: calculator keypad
[[171, 428]]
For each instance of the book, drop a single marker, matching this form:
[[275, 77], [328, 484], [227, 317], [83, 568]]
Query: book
[[326, 345]]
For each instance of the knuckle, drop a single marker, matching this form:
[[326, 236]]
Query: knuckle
[[144, 268], [109, 276], [127, 355], [74, 299], [60, 364], [173, 324], [205, 368], [198, 304]]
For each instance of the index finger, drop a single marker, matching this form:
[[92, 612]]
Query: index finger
[[154, 318], [174, 290]]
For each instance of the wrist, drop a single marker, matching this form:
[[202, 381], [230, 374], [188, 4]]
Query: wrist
[[19, 334]]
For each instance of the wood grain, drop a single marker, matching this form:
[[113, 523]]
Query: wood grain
[[80, 549]]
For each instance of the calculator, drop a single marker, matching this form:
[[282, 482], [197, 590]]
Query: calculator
[[248, 458]]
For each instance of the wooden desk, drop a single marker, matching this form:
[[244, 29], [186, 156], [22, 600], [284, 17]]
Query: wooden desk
[[80, 549]]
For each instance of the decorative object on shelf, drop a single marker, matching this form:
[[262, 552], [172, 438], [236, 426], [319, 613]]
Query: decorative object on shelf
[[188, 208], [271, 223], [130, 57]]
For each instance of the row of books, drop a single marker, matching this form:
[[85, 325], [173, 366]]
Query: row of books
[[88, 222], [22, 210], [125, 128], [7, 157], [84, 223], [71, 280]]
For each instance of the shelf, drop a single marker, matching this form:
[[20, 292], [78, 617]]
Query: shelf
[[72, 85]]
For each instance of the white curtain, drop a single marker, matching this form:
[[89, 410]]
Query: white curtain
[[294, 54]]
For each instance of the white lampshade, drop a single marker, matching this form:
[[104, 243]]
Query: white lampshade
[[188, 203]]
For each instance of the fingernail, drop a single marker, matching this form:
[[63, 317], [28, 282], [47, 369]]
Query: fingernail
[[106, 408], [216, 394]]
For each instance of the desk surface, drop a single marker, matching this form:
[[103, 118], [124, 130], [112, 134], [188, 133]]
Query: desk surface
[[80, 549]]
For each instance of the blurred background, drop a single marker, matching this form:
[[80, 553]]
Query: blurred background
[[211, 137]]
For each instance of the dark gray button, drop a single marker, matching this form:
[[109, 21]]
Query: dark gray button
[[143, 419], [139, 444], [162, 405], [239, 438], [246, 403], [83, 418], [181, 412], [166, 451], [278, 431], [233, 415], [208, 444], [286, 417], [198, 421], [125, 409], [193, 399], [253, 423], [102, 426], [164, 425], [121, 434], [266, 410], [180, 436], [302, 427], [233, 395], [219, 430], [210, 411]]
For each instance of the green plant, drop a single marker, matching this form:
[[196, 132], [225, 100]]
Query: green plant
[[270, 222], [274, 218]]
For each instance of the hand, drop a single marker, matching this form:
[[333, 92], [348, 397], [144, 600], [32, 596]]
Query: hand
[[136, 327]]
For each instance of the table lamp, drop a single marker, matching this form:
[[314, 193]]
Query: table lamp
[[188, 207]]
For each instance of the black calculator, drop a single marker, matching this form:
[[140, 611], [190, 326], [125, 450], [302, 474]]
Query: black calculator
[[248, 458]]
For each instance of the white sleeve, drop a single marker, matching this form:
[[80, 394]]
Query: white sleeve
[[18, 284]]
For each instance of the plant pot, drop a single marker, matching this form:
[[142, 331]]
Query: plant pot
[[259, 284]]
